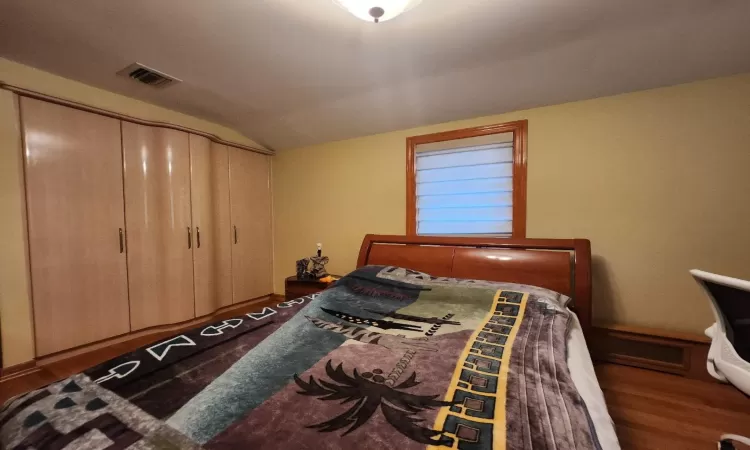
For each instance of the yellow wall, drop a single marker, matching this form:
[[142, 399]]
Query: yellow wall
[[15, 307], [16, 322], [658, 180]]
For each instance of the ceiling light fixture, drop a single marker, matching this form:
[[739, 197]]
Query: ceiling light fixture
[[377, 10]]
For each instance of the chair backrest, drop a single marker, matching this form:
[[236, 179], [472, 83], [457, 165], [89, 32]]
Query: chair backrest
[[730, 301]]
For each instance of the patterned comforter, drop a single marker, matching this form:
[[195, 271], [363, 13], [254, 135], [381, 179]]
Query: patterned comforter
[[387, 358]]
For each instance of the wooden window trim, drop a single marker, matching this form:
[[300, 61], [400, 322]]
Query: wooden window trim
[[520, 131]]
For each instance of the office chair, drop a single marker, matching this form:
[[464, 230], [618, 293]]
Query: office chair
[[729, 354]]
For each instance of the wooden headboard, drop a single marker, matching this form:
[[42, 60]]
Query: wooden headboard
[[563, 265]]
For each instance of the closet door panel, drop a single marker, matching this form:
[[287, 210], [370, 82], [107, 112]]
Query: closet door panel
[[250, 194], [212, 255], [159, 229], [75, 212]]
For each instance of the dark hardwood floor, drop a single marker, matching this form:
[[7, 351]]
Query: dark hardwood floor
[[651, 410]]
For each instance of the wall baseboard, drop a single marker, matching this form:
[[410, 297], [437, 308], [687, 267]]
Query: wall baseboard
[[664, 351], [18, 370]]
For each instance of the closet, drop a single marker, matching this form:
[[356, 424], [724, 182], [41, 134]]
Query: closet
[[133, 226], [250, 195], [158, 224], [212, 255], [76, 225]]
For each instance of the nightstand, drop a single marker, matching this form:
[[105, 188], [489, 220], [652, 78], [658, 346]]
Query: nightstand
[[294, 288]]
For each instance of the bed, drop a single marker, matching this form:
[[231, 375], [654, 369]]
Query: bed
[[464, 343]]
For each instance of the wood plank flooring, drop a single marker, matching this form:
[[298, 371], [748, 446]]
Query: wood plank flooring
[[654, 410], [651, 410]]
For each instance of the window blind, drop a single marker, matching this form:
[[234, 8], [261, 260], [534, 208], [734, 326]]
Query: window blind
[[466, 190]]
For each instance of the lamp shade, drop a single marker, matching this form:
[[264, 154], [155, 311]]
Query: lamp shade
[[377, 10]]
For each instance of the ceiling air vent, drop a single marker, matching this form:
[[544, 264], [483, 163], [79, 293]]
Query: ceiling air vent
[[149, 76]]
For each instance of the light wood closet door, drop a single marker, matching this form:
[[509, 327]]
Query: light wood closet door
[[159, 229], [250, 195], [212, 255], [75, 215]]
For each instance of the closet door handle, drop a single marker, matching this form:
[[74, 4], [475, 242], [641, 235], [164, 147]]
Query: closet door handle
[[198, 236], [190, 238], [122, 241], [235, 234]]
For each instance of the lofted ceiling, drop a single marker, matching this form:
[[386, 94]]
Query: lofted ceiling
[[291, 73]]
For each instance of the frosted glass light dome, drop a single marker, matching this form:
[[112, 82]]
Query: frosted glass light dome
[[377, 10]]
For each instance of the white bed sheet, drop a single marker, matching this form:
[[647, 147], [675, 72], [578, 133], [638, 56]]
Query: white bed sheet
[[582, 371]]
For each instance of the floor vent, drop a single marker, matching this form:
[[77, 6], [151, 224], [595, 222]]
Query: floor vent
[[149, 76]]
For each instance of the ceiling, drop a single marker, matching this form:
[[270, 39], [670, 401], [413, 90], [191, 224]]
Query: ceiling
[[291, 73]]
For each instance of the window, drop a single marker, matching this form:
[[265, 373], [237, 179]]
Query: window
[[468, 182]]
